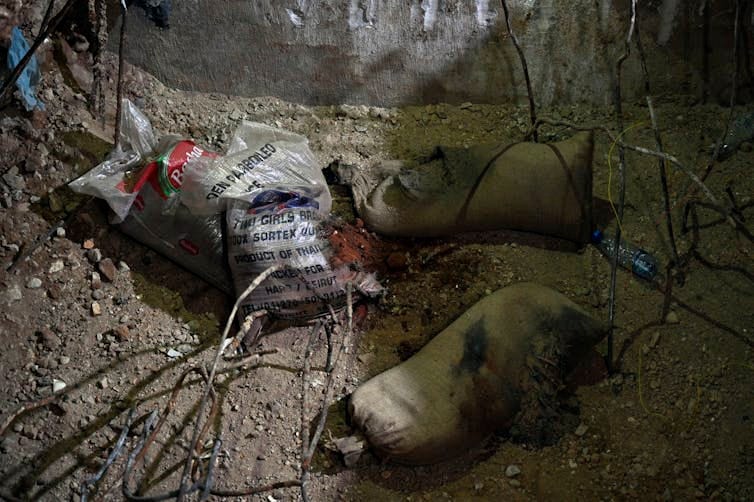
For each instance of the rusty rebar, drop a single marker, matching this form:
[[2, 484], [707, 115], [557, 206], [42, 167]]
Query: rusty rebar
[[208, 387], [658, 145], [618, 103], [524, 66], [733, 88], [309, 447], [119, 87], [114, 454], [99, 27], [304, 432]]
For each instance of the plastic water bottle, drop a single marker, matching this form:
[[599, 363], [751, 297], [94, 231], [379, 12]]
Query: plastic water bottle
[[630, 257], [740, 130]]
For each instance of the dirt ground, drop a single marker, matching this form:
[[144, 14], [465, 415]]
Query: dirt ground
[[96, 311]]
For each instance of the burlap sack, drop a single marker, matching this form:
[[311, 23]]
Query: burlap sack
[[533, 187], [502, 362]]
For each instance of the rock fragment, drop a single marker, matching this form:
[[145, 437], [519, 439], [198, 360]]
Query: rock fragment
[[122, 333], [57, 385], [512, 471], [96, 282], [56, 267], [14, 180], [13, 293], [54, 292], [94, 255], [107, 269], [48, 338]]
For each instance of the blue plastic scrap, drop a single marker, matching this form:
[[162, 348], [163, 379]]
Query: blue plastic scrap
[[29, 78]]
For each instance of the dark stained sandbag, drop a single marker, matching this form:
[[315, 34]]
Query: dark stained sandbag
[[533, 187], [501, 362]]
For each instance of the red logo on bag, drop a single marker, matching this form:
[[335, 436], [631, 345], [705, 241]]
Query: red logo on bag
[[189, 247], [181, 154], [172, 163]]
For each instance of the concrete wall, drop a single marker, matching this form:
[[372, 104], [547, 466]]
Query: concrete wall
[[393, 52]]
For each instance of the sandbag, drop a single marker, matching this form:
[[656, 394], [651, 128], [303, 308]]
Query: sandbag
[[276, 205], [498, 364], [533, 187]]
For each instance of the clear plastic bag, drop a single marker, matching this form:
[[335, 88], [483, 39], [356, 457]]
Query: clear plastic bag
[[108, 181], [142, 184]]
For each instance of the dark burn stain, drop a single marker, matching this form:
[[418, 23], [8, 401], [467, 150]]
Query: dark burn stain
[[475, 345], [569, 335]]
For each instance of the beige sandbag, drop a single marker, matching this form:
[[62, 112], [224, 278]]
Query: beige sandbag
[[501, 362], [533, 187]]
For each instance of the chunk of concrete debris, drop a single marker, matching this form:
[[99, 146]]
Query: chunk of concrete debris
[[13, 294], [96, 309], [96, 281], [57, 385], [14, 180], [351, 448], [56, 266], [512, 471]]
